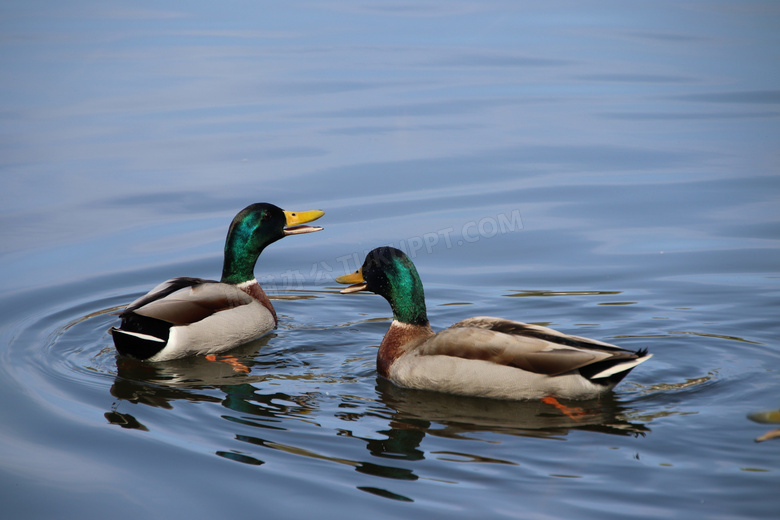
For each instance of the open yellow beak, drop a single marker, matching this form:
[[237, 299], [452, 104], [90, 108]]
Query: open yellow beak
[[295, 218], [355, 278]]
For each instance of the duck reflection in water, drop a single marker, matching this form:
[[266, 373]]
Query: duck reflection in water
[[398, 419]]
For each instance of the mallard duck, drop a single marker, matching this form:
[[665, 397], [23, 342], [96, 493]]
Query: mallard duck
[[481, 356], [189, 316]]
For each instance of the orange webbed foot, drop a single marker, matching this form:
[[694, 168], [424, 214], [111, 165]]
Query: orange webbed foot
[[575, 413], [232, 361]]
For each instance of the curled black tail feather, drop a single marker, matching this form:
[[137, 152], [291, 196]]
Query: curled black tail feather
[[591, 370]]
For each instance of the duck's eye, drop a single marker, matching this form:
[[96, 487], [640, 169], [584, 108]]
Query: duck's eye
[[265, 216]]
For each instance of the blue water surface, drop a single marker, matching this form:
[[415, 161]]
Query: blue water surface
[[609, 169]]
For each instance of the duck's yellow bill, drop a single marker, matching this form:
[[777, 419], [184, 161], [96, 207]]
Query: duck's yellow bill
[[295, 218], [355, 278]]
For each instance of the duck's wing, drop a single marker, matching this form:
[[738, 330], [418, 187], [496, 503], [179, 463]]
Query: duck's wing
[[518, 328], [183, 300], [530, 347]]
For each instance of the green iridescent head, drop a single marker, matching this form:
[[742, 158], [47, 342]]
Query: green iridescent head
[[255, 227], [391, 274]]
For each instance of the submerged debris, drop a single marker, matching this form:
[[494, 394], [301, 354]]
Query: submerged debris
[[766, 417]]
